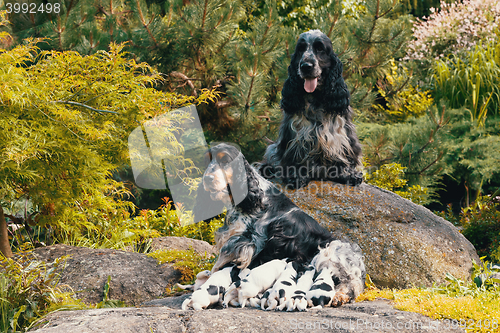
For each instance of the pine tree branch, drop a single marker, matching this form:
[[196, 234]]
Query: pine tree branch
[[334, 22], [186, 80], [143, 21], [70, 7], [204, 15], [227, 40], [440, 124], [429, 165], [389, 10], [386, 41], [247, 102], [375, 18]]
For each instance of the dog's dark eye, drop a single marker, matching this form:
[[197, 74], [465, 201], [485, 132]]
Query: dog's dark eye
[[318, 46], [224, 158]]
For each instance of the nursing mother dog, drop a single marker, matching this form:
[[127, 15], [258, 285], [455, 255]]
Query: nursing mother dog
[[262, 225]]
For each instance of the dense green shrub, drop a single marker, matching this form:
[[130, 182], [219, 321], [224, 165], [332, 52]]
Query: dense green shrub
[[481, 226], [402, 99]]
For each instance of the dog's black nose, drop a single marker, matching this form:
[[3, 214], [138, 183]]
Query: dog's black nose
[[208, 179], [305, 66]]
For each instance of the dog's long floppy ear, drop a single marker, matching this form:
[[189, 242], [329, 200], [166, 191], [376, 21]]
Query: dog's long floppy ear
[[293, 90], [254, 194], [239, 184], [337, 93], [205, 208]]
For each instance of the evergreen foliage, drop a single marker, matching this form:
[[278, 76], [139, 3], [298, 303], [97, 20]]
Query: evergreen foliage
[[242, 48], [365, 43]]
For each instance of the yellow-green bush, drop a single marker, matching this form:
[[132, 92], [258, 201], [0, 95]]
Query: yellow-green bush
[[166, 222], [403, 100], [390, 177]]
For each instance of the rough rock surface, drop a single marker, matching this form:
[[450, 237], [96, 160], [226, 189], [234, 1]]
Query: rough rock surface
[[404, 244], [135, 278], [376, 316], [182, 243]]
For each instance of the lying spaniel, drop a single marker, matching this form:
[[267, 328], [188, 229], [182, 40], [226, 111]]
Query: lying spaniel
[[317, 139], [261, 223]]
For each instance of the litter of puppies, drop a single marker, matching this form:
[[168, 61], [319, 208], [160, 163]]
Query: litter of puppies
[[279, 284]]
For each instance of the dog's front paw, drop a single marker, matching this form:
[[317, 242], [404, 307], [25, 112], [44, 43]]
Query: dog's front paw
[[355, 179]]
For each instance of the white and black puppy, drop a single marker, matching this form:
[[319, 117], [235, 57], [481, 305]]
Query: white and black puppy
[[304, 283], [212, 290], [259, 280], [322, 291], [280, 295]]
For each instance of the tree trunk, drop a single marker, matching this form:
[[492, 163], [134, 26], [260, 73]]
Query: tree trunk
[[4, 236]]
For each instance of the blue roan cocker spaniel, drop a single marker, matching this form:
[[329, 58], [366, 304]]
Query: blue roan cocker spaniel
[[262, 224], [317, 139]]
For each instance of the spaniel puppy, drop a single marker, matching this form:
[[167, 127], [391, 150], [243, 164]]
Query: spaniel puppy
[[279, 295], [261, 223], [304, 283], [317, 139], [259, 280], [322, 291], [212, 290]]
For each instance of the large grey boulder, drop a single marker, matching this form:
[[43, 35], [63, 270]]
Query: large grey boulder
[[135, 277], [368, 317], [404, 244]]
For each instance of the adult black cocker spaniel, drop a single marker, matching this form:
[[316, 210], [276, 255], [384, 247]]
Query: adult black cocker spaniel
[[317, 139]]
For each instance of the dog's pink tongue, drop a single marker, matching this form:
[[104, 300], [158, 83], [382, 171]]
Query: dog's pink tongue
[[310, 84]]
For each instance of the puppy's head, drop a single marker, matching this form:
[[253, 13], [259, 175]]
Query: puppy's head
[[312, 58], [225, 175]]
